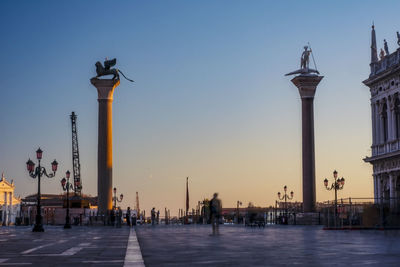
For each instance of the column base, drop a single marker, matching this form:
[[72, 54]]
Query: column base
[[308, 218]]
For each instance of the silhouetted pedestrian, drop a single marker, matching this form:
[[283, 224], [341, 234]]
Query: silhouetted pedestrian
[[112, 217], [119, 217], [128, 216], [153, 216], [215, 211], [134, 218]]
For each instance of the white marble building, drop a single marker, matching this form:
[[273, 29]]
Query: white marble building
[[384, 84], [9, 204]]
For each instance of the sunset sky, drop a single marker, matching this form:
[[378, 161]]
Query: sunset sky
[[210, 99]]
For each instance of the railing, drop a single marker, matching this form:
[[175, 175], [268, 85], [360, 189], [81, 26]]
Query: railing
[[387, 147], [362, 213], [385, 63]]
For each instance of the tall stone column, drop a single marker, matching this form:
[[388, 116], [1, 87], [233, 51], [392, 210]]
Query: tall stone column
[[105, 89], [307, 85]]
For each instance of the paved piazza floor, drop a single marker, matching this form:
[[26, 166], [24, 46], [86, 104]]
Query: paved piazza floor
[[193, 246], [79, 246], [272, 246]]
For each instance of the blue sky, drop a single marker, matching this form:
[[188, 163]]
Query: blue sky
[[210, 99]]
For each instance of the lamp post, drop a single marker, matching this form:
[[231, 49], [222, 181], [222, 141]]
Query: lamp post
[[338, 184], [238, 203], [66, 186], [115, 199], [285, 197], [38, 172]]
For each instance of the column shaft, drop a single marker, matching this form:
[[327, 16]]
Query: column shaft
[[379, 186], [308, 152], [373, 123], [389, 123], [377, 125], [105, 89], [392, 190], [104, 160], [307, 85]]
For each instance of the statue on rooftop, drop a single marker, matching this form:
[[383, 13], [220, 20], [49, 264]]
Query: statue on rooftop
[[385, 45], [107, 70], [381, 54], [398, 38], [304, 63]]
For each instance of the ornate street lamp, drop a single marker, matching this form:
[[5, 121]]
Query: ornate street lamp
[[238, 203], [38, 172], [117, 199], [66, 186], [285, 197], [338, 184]]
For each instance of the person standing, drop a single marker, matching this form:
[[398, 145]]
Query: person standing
[[153, 216], [215, 212], [112, 217], [119, 217], [134, 218], [128, 216]]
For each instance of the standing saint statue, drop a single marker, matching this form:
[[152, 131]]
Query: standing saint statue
[[381, 54], [398, 38], [305, 58], [304, 63], [385, 45]]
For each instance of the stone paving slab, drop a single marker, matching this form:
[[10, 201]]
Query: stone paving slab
[[79, 246], [192, 245], [133, 256]]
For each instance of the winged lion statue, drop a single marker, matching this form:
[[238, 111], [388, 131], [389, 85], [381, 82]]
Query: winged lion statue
[[107, 70]]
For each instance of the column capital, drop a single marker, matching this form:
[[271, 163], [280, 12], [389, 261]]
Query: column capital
[[105, 87], [307, 84]]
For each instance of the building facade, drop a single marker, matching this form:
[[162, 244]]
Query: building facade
[[384, 85], [9, 204]]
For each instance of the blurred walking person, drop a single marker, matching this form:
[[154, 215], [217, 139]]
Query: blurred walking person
[[215, 212]]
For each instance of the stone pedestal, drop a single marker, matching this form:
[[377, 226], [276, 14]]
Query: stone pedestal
[[309, 218], [307, 85], [105, 89]]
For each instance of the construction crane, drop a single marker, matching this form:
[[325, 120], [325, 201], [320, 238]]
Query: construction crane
[[75, 157]]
